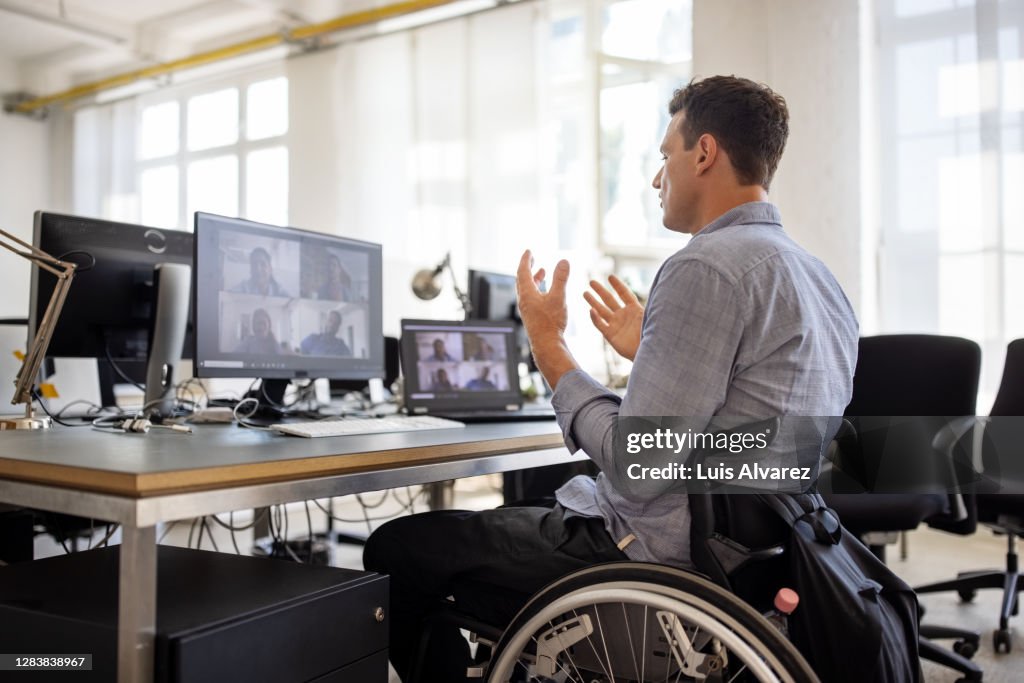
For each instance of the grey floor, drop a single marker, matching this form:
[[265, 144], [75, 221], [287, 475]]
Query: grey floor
[[932, 556]]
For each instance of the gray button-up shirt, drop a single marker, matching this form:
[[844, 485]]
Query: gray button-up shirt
[[741, 322]]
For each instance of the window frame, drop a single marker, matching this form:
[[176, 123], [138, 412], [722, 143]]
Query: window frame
[[240, 149]]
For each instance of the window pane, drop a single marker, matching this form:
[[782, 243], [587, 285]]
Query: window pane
[[158, 131], [213, 186], [213, 119], [266, 192], [267, 109], [158, 196], [633, 121], [1013, 204], [1013, 271], [659, 30]]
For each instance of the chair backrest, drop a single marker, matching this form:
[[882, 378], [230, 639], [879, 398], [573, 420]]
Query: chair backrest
[[1002, 454], [1010, 399], [913, 375]]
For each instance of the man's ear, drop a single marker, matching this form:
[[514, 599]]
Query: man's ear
[[707, 153]]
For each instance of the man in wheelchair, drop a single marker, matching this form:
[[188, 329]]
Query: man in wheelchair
[[741, 323]]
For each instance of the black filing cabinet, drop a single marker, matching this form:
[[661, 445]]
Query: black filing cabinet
[[220, 617]]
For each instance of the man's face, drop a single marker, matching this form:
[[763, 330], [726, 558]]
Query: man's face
[[333, 323], [438, 347], [259, 268], [675, 181]]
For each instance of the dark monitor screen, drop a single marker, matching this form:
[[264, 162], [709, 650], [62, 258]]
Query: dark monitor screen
[[282, 303], [111, 302], [492, 295]]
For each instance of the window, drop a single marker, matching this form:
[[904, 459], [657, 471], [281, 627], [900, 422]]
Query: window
[[646, 54], [952, 233], [218, 147]]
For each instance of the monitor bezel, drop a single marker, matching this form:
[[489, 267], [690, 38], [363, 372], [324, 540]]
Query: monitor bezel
[[469, 400], [154, 239], [346, 372]]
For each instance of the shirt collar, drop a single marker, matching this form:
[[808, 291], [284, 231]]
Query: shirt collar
[[760, 213]]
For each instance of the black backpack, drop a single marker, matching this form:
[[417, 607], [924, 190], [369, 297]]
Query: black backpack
[[856, 621]]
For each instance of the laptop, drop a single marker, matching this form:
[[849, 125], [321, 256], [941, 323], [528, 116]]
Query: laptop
[[464, 370]]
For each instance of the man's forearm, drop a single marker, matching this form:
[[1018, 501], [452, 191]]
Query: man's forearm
[[553, 358]]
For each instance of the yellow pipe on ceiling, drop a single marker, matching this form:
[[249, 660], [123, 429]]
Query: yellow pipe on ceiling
[[245, 47]]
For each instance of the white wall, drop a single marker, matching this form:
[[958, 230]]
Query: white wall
[[808, 52], [24, 187]]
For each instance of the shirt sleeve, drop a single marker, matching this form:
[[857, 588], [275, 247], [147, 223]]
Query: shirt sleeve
[[692, 330]]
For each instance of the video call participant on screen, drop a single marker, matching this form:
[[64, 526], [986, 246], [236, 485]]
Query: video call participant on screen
[[338, 283], [481, 382], [261, 340], [440, 353], [741, 322], [261, 276], [327, 343], [441, 381], [475, 347]]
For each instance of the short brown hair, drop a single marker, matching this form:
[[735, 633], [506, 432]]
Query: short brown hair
[[748, 119]]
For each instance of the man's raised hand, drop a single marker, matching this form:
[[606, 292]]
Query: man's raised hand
[[617, 318]]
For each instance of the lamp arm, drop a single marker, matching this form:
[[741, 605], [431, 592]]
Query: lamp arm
[[65, 273], [467, 304]]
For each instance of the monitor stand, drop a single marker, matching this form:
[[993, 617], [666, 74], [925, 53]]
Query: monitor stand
[[173, 289], [270, 394]]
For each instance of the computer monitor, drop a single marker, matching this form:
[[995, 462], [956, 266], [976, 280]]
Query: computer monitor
[[492, 295], [111, 306], [281, 304]]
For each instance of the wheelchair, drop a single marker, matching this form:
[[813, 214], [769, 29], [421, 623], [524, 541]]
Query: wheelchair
[[633, 622]]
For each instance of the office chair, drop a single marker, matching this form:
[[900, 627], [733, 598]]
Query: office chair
[[1002, 512], [931, 379]]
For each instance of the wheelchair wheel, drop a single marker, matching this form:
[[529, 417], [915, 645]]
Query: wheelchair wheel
[[640, 623]]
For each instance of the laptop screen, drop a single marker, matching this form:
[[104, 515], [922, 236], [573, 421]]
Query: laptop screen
[[460, 365]]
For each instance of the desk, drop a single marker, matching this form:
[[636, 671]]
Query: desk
[[140, 480]]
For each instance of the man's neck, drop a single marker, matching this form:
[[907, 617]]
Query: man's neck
[[730, 199]]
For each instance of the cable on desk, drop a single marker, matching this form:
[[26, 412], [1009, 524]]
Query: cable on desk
[[117, 368], [42, 404]]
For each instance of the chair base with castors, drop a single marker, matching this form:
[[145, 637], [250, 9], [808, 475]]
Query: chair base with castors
[[967, 584]]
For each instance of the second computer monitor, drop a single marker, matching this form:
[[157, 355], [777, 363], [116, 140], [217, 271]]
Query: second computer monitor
[[492, 295], [282, 303], [110, 306]]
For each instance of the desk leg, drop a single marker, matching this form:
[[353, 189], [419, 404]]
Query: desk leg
[[136, 609]]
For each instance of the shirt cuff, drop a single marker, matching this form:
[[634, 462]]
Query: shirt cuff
[[575, 391]]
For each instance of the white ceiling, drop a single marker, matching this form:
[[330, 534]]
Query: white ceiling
[[51, 45]]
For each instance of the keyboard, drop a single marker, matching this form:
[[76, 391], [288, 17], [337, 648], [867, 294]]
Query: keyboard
[[350, 426]]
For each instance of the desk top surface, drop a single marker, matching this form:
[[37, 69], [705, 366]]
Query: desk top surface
[[216, 456]]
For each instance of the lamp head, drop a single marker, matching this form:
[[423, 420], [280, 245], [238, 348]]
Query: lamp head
[[426, 283]]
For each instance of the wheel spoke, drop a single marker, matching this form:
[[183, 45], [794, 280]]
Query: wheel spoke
[[590, 642], [597, 615], [629, 637], [741, 670], [643, 648]]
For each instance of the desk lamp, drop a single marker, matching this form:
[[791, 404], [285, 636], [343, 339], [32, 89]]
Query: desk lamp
[[26, 378], [426, 284]]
